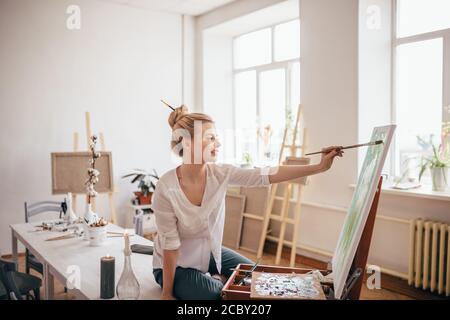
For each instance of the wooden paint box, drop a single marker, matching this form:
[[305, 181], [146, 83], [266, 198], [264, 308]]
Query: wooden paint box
[[233, 291]]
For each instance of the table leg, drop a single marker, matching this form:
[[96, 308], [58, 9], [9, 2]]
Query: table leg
[[14, 247], [49, 285]]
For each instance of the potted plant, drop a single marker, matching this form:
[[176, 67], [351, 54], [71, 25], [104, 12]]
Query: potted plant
[[146, 184], [438, 164], [247, 157], [97, 232]]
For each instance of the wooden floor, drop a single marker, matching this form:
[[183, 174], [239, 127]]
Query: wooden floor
[[366, 294]]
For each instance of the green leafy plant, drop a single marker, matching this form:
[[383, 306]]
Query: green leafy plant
[[247, 158], [436, 160], [146, 180]]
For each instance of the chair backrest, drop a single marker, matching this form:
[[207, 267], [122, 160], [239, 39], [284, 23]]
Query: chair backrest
[[7, 279], [43, 207]]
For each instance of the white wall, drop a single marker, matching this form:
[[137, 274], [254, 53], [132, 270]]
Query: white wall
[[118, 66], [375, 36], [217, 83], [188, 61]]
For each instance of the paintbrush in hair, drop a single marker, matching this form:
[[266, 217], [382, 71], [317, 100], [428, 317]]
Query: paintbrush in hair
[[373, 143], [168, 105]]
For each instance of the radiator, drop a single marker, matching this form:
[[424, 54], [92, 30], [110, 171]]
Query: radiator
[[429, 256]]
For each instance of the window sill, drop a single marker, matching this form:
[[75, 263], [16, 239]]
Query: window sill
[[424, 192]]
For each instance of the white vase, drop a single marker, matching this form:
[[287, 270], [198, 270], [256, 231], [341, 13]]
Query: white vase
[[89, 218], [97, 236], [70, 217], [439, 178], [128, 287]]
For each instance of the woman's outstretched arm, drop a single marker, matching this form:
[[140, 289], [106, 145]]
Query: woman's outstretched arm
[[291, 172]]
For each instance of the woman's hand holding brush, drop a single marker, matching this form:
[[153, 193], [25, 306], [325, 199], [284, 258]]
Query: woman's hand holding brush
[[328, 155]]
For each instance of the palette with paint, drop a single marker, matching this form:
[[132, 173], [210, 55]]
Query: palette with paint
[[285, 286]]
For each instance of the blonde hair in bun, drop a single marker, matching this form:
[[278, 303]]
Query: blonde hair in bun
[[180, 118], [176, 115]]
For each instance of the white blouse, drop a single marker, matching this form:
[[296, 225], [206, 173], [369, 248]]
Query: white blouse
[[197, 230]]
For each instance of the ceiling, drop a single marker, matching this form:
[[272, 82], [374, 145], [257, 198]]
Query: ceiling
[[280, 12], [189, 7]]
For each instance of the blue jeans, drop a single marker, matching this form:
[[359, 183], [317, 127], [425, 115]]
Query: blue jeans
[[192, 284]]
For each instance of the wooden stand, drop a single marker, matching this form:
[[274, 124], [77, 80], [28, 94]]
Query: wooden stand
[[362, 253], [290, 188], [355, 279], [113, 217], [294, 146]]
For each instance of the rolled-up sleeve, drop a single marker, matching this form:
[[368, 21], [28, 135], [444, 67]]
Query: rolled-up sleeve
[[256, 177], [166, 220]]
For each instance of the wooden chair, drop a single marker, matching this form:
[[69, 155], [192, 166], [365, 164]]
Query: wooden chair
[[18, 284], [31, 262]]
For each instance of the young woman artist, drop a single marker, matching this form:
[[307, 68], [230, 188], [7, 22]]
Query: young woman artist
[[189, 261]]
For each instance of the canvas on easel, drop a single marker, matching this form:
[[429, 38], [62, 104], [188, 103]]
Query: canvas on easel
[[253, 216], [360, 207], [69, 172], [234, 210]]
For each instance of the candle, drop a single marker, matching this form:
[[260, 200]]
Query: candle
[[126, 249], [107, 279]]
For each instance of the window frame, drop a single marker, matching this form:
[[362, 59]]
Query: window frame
[[287, 65], [443, 34]]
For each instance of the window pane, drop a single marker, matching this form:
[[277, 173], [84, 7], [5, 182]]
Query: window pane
[[287, 40], [419, 96], [420, 16], [295, 91], [253, 49], [245, 113], [272, 98]]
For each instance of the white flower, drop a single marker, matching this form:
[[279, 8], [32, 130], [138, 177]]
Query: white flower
[[93, 172], [93, 193]]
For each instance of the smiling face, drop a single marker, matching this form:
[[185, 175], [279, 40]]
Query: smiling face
[[210, 143], [194, 136], [204, 145]]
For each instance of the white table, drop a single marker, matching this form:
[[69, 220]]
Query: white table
[[61, 259]]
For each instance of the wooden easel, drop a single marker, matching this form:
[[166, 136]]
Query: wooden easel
[[113, 217], [293, 146], [286, 196], [362, 252]]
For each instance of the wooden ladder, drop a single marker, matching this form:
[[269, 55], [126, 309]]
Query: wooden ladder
[[290, 188]]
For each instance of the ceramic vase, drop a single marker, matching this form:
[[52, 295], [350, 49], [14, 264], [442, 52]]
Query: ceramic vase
[[439, 178]]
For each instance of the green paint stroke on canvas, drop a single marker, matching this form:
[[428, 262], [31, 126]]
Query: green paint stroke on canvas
[[360, 197]]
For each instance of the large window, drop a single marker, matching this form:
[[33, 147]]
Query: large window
[[266, 75], [422, 73]]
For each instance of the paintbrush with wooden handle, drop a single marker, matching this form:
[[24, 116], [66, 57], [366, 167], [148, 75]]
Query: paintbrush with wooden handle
[[373, 143]]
